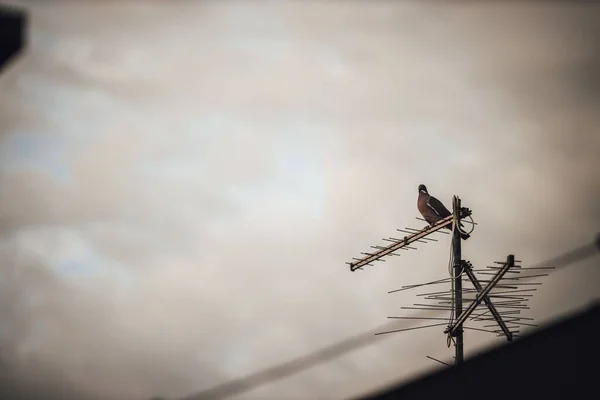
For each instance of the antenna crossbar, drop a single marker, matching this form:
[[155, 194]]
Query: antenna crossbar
[[400, 243], [488, 302], [510, 262]]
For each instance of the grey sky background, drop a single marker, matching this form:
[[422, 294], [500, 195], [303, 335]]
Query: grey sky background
[[181, 184]]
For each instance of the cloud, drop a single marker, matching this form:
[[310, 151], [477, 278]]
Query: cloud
[[229, 167]]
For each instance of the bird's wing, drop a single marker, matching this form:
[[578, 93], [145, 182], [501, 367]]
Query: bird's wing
[[438, 207]]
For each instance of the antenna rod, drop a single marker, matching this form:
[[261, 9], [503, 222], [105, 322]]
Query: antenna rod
[[488, 302], [398, 244], [457, 268], [457, 325]]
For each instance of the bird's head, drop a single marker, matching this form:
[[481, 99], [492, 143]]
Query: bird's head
[[422, 188]]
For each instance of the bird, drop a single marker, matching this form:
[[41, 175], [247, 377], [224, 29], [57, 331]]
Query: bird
[[433, 210]]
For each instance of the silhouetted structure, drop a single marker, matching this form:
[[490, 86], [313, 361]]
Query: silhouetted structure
[[12, 33], [558, 362], [503, 306]]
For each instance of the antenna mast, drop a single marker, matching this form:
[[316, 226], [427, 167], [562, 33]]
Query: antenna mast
[[511, 298], [457, 269]]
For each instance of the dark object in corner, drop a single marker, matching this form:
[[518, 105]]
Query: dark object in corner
[[13, 24], [557, 362]]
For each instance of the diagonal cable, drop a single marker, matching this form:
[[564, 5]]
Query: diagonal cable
[[297, 365]]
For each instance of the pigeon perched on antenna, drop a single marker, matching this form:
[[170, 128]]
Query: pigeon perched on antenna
[[433, 210]]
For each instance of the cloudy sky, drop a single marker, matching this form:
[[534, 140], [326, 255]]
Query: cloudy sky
[[181, 184]]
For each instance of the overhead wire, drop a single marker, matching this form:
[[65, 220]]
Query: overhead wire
[[253, 381]]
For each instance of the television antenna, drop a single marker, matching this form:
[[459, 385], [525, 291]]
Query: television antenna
[[498, 287]]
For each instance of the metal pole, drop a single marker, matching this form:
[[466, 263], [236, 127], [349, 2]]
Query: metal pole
[[457, 268]]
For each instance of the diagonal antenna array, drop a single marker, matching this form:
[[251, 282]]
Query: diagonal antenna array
[[402, 244], [468, 269], [504, 298], [481, 296]]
